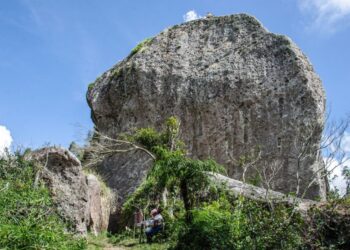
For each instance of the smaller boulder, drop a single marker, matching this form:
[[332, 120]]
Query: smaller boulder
[[62, 173]]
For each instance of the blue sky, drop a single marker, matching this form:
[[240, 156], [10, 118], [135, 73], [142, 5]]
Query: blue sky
[[50, 50]]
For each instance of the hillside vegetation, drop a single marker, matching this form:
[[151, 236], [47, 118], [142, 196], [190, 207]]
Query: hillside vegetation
[[199, 214]]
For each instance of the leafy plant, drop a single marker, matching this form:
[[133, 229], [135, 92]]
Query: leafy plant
[[176, 172]]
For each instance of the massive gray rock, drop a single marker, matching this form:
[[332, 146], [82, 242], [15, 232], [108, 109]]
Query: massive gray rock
[[235, 87]]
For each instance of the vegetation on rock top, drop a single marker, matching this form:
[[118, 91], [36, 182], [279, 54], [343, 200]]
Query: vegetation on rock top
[[140, 46]]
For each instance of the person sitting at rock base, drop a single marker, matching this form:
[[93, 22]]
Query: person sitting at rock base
[[154, 225]]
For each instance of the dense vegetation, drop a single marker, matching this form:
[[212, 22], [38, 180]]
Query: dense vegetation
[[203, 215], [241, 224], [28, 219], [199, 214]]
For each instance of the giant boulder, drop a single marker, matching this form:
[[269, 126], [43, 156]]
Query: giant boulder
[[235, 86]]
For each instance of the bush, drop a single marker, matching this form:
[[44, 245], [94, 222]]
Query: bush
[[28, 219], [243, 225], [328, 225], [148, 138]]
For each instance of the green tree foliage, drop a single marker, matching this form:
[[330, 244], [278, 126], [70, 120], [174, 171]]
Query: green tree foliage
[[176, 172], [183, 177], [232, 223], [28, 219], [149, 138]]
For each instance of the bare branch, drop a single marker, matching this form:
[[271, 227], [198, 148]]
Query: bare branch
[[104, 146]]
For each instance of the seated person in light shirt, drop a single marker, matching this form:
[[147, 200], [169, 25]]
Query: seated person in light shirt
[[154, 225]]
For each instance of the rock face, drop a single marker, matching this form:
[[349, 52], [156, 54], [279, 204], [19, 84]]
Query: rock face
[[234, 86], [63, 175], [260, 194], [123, 173], [80, 199], [100, 205]]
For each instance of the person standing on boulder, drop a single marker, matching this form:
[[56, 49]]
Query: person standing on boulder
[[155, 224]]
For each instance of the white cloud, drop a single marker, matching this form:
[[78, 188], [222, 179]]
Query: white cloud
[[5, 139], [346, 142], [326, 14], [191, 15], [337, 180]]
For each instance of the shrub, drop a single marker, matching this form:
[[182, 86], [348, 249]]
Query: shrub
[[148, 138], [328, 225], [242, 225]]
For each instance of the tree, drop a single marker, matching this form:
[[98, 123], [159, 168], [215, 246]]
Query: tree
[[173, 169]]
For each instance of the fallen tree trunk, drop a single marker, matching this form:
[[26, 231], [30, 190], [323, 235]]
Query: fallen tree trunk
[[261, 194]]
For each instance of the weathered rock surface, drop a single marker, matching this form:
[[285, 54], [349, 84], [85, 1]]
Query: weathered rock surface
[[123, 173], [63, 175], [262, 194], [100, 205], [80, 199], [234, 86]]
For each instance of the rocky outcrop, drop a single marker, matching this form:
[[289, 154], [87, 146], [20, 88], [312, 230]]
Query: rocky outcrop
[[123, 173], [62, 173], [252, 192], [235, 87], [83, 201]]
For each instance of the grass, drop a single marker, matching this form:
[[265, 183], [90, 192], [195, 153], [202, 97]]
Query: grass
[[91, 86], [98, 242], [105, 241], [133, 244], [141, 46]]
